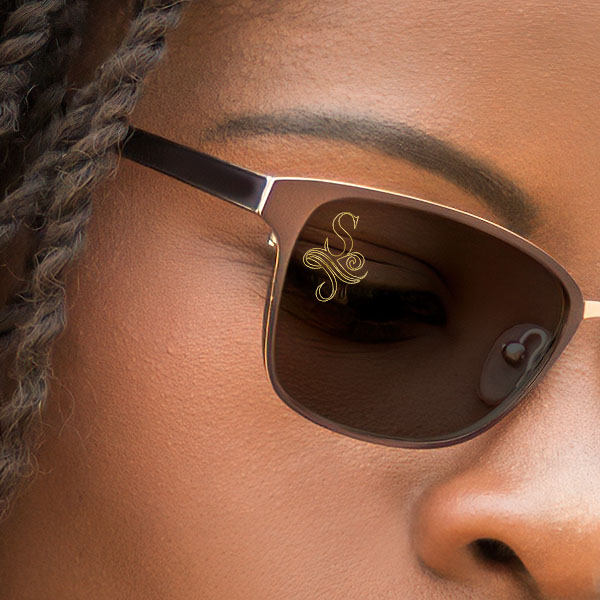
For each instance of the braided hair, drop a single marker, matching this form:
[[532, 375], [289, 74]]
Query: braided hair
[[57, 142]]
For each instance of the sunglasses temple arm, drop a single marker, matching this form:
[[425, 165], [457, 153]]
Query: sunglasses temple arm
[[207, 173]]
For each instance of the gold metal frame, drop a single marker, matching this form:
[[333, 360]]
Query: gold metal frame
[[286, 203]]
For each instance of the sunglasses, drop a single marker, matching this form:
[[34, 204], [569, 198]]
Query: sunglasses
[[391, 319]]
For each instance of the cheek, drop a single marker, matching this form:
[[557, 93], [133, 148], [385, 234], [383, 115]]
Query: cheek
[[172, 438], [161, 360]]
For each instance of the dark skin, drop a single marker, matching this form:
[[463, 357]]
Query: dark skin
[[172, 470]]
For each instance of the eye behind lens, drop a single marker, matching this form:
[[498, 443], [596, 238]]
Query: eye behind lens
[[362, 312]]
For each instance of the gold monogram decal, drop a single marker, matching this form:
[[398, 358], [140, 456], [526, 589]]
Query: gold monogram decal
[[336, 266]]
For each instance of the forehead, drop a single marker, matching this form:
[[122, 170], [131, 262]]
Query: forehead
[[484, 65], [514, 83]]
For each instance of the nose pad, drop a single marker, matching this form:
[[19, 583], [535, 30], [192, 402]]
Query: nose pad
[[512, 357]]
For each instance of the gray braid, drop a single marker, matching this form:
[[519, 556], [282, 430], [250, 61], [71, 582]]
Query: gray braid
[[80, 152], [47, 97], [25, 34], [43, 93]]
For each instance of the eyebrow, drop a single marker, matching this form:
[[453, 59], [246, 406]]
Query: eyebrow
[[399, 140]]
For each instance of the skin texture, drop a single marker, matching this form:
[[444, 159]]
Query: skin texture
[[172, 470]]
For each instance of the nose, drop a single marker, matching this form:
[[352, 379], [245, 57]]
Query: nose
[[521, 509]]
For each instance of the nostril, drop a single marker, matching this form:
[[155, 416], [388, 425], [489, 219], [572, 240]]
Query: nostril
[[492, 550]]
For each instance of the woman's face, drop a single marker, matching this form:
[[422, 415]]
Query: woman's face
[[171, 468]]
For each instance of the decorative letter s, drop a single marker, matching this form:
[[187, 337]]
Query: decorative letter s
[[336, 266]]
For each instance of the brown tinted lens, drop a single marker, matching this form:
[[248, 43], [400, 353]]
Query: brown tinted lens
[[402, 323]]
